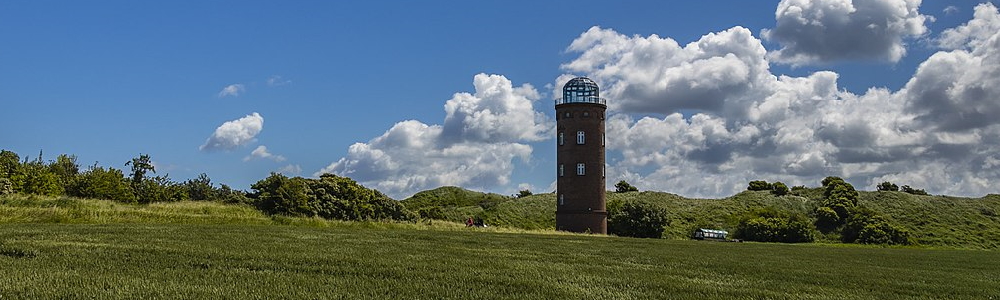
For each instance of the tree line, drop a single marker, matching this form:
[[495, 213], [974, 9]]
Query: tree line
[[330, 196]]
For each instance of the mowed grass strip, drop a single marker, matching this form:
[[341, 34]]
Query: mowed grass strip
[[355, 261]]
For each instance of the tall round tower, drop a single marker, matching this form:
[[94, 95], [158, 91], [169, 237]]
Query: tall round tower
[[580, 199]]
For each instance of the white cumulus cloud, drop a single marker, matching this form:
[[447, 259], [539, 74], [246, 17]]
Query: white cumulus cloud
[[657, 75], [822, 31], [261, 153], [236, 133], [937, 133], [483, 134], [233, 90]]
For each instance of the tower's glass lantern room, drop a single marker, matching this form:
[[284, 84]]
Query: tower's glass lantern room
[[581, 90]]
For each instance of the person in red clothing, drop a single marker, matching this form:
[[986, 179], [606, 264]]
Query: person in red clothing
[[469, 222]]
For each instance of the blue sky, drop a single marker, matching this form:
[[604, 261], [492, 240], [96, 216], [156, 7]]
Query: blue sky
[[311, 86]]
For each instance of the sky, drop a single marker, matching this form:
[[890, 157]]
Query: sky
[[703, 96]]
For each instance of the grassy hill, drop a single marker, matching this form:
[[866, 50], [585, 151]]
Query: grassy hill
[[209, 250], [452, 203], [931, 220]]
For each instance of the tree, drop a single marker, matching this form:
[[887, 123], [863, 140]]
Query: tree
[[827, 219], [200, 188], [779, 188], [839, 196], [887, 187], [34, 178], [759, 185], [625, 187], [909, 190], [523, 193], [278, 194], [140, 165], [100, 183], [231, 196], [66, 168], [10, 162], [638, 219]]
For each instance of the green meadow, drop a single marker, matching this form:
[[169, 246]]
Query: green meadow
[[72, 248]]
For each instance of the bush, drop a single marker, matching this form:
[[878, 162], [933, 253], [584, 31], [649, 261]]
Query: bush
[[773, 225], [625, 187], [100, 183], [278, 194], [839, 196], [330, 197], [230, 196], [6, 187], [884, 233], [35, 178], [912, 191], [158, 189], [887, 187], [867, 227], [779, 189], [200, 189], [759, 185], [826, 219], [638, 219]]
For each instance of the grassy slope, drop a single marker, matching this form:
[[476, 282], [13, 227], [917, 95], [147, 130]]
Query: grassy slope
[[932, 220], [456, 204]]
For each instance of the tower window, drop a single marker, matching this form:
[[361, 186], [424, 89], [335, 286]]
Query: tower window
[[581, 169], [561, 173], [562, 199], [586, 114], [580, 138], [562, 138]]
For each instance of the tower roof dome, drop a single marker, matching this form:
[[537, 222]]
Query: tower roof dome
[[581, 90], [582, 84]]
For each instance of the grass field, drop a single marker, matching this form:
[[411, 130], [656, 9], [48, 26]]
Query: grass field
[[71, 248], [351, 261]]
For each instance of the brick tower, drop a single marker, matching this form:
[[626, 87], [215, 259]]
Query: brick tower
[[580, 199]]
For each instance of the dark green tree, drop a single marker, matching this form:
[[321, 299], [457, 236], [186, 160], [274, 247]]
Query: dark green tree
[[10, 163], [140, 165], [100, 183], [779, 188], [625, 187], [66, 168], [278, 194], [638, 219], [523, 193], [200, 189], [839, 196], [827, 219], [759, 185], [909, 190], [228, 195], [35, 178], [887, 187]]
